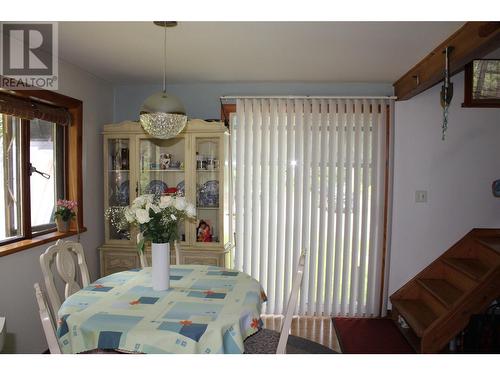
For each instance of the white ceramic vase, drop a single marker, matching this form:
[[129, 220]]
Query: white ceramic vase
[[160, 253]]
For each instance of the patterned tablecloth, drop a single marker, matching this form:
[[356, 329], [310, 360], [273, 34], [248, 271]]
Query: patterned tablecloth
[[206, 310]]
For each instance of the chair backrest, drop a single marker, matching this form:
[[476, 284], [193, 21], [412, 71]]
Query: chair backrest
[[144, 261], [47, 321], [66, 268], [292, 304]]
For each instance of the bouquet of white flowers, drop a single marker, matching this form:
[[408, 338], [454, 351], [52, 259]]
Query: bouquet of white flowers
[[157, 217]]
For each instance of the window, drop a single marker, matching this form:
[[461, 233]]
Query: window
[[482, 84], [40, 144]]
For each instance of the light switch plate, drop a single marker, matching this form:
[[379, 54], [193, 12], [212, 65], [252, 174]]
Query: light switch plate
[[421, 196]]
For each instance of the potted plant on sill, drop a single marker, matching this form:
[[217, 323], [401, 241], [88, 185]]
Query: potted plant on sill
[[65, 211], [157, 218]]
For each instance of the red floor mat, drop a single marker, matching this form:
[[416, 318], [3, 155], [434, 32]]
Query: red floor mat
[[370, 336]]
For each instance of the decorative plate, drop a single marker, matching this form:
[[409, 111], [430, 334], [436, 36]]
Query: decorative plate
[[180, 188], [122, 194], [208, 194], [156, 187]]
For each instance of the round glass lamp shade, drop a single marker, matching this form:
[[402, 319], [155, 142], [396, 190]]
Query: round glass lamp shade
[[163, 115]]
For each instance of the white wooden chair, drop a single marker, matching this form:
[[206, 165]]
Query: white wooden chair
[[47, 322], [65, 265], [267, 341], [144, 261]]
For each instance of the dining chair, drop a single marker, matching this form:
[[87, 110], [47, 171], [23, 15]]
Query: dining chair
[[144, 261], [47, 321], [63, 253], [267, 341]]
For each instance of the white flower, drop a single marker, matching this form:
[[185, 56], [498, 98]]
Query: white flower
[[190, 210], [140, 201], [130, 214], [180, 203], [142, 216], [148, 198], [166, 201], [154, 207], [174, 218]]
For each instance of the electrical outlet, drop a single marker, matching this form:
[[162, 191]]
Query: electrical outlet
[[421, 196]]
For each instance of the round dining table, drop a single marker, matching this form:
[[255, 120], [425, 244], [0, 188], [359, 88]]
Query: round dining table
[[207, 309]]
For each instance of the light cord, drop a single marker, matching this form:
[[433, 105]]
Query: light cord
[[165, 60]]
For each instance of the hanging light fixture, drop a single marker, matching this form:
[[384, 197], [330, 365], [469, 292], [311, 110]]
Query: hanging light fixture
[[162, 115]]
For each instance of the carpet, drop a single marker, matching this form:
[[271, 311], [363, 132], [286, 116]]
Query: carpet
[[265, 341], [370, 336]]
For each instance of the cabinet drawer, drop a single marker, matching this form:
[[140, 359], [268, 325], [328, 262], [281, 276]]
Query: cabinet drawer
[[118, 261], [206, 261]]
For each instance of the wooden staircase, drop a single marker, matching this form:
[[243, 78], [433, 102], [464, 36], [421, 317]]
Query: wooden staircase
[[438, 302]]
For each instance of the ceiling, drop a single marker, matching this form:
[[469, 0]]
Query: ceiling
[[132, 52]]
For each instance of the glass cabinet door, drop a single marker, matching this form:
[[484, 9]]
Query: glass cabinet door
[[162, 169], [118, 182], [208, 189]]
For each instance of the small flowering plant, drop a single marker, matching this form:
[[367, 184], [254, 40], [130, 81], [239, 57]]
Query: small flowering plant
[[65, 209], [157, 217]]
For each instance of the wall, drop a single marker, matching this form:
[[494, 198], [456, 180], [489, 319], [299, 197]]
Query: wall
[[457, 173], [20, 271], [202, 99]]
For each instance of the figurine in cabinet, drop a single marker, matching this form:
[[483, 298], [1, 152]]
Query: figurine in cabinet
[[204, 233]]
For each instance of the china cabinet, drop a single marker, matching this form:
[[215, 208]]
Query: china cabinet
[[193, 164]]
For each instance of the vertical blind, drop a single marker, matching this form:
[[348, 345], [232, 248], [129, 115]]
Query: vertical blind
[[310, 174]]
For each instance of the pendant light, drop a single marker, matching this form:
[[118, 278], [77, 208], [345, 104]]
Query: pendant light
[[162, 115]]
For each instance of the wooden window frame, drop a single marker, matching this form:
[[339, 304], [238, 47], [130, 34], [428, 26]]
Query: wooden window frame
[[469, 101], [72, 168]]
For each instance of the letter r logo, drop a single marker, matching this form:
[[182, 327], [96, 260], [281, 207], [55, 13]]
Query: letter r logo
[[27, 49]]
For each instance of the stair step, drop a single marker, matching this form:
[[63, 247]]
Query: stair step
[[491, 242], [471, 267], [416, 313], [442, 290]]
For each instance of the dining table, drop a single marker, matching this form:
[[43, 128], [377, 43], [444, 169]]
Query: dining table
[[207, 309]]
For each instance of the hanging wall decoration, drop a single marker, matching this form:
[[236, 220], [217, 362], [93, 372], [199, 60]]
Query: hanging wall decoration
[[446, 91]]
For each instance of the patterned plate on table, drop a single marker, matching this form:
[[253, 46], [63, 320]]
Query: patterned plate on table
[[208, 194], [156, 187]]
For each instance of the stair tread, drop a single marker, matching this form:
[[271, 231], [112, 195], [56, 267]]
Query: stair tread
[[442, 290], [471, 267], [491, 242], [416, 314]]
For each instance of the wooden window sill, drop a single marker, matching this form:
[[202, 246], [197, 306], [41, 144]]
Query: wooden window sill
[[36, 241]]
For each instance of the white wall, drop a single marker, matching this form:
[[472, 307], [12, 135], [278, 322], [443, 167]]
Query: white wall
[[457, 173], [19, 271], [202, 99]]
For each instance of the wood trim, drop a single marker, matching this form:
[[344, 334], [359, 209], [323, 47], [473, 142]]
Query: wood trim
[[386, 206], [74, 172], [225, 112], [36, 241], [46, 96], [25, 179], [471, 41]]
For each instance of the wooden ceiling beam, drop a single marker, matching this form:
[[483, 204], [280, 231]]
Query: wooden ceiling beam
[[472, 41]]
